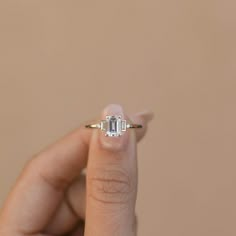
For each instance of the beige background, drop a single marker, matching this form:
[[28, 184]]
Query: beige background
[[61, 62]]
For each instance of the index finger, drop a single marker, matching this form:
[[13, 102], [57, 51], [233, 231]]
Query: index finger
[[41, 186]]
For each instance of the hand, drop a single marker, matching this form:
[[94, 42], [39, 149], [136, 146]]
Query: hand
[[53, 197]]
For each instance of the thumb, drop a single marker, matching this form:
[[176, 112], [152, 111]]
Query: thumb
[[111, 182]]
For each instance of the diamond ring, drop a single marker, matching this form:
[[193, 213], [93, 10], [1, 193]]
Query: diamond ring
[[113, 126]]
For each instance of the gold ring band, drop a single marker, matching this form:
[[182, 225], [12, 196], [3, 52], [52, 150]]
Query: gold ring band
[[134, 126], [93, 126]]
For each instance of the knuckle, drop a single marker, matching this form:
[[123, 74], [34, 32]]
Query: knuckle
[[57, 183], [111, 186]]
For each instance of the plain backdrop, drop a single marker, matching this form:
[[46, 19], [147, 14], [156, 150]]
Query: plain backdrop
[[61, 62]]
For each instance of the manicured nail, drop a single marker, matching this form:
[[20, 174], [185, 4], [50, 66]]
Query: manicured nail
[[146, 115]]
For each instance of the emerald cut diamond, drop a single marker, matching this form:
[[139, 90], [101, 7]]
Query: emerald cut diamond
[[113, 126]]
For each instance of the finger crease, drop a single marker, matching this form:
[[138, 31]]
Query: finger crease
[[56, 183], [69, 205]]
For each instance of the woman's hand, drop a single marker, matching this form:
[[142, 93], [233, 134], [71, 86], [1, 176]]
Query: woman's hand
[[53, 197]]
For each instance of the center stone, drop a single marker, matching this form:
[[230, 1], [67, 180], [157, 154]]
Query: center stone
[[113, 126]]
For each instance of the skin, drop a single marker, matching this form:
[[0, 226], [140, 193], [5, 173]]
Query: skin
[[53, 196]]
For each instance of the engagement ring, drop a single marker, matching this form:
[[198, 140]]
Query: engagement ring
[[113, 126]]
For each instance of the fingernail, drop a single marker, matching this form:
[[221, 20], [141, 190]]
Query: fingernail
[[147, 115], [114, 143]]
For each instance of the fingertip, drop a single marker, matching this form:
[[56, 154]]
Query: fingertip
[[146, 115], [142, 118]]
